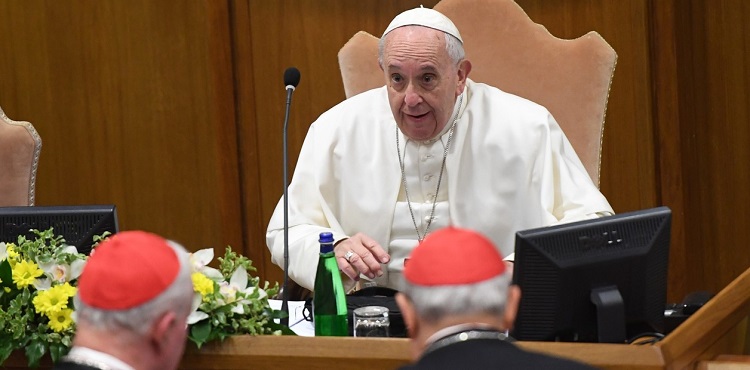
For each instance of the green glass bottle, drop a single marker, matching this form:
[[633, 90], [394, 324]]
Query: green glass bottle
[[329, 297]]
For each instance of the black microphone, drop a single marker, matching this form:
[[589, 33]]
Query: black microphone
[[291, 80]]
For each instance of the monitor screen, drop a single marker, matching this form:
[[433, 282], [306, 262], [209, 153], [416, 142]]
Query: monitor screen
[[76, 224], [599, 280]]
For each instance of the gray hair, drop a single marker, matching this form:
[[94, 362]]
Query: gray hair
[[435, 303], [177, 297], [453, 46]]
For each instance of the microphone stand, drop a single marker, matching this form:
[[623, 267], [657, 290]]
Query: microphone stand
[[285, 287], [291, 79]]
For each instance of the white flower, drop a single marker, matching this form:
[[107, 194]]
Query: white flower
[[228, 292], [42, 284], [201, 258], [239, 282], [71, 249], [76, 268], [239, 279], [261, 293], [199, 262], [58, 273], [3, 252], [195, 315], [63, 273]]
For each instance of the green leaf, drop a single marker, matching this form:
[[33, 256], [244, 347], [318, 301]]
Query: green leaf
[[276, 314], [199, 332], [57, 351], [6, 274], [6, 348], [221, 317], [34, 352]]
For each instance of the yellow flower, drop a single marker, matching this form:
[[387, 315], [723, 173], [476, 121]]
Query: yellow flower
[[25, 272], [11, 248], [9, 253], [61, 320], [67, 289], [54, 299], [202, 284]]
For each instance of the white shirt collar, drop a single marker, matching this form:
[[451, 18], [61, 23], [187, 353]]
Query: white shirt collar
[[88, 356]]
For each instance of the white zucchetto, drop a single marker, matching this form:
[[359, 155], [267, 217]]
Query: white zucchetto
[[424, 17]]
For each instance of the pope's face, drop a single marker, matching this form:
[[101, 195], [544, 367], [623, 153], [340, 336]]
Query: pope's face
[[423, 81]]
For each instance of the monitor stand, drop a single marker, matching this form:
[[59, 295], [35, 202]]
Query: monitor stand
[[610, 314]]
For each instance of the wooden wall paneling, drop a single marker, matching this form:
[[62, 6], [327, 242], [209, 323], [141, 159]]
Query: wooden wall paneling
[[224, 112], [689, 34], [308, 35], [669, 161], [729, 100], [134, 103], [248, 139], [714, 112]]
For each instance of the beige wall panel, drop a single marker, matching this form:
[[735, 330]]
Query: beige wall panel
[[134, 103]]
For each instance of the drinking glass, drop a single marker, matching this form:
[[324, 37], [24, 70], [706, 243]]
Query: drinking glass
[[371, 321]]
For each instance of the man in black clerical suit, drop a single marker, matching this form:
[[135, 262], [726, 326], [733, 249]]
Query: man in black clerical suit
[[458, 303], [134, 296]]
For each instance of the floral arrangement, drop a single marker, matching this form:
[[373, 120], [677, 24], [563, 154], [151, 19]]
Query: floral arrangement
[[229, 301], [37, 282], [38, 278]]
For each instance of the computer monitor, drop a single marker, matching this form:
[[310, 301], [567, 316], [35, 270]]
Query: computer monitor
[[76, 224], [600, 280]]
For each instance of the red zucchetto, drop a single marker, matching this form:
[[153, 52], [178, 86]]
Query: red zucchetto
[[453, 256], [127, 270]]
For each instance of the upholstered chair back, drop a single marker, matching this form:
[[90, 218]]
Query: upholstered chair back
[[20, 146], [571, 78]]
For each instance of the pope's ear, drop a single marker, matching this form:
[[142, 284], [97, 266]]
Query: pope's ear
[[464, 68]]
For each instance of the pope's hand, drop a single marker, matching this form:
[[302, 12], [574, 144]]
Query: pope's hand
[[360, 254]]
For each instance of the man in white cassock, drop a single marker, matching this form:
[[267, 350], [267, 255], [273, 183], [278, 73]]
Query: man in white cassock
[[430, 149]]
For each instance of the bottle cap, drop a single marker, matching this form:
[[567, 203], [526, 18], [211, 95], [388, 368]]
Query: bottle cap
[[326, 237], [326, 242]]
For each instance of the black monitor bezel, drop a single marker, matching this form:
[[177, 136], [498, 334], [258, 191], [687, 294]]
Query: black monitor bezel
[[586, 255], [62, 219]]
